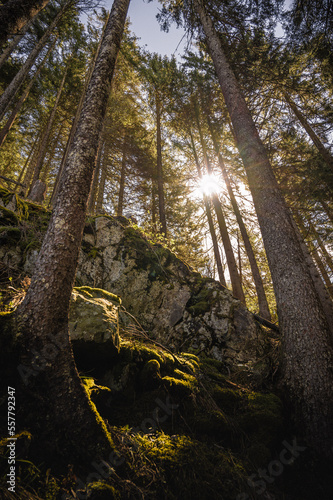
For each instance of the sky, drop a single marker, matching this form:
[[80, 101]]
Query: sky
[[146, 27]]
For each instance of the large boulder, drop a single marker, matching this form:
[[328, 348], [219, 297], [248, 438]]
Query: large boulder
[[174, 304], [94, 323]]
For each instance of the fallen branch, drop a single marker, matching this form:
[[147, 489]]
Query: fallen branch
[[267, 323], [11, 180]]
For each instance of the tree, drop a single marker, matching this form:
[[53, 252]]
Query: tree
[[307, 346], [43, 316], [14, 15]]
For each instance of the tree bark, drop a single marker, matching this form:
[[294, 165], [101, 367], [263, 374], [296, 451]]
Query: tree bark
[[15, 14], [262, 299], [94, 184], [43, 315], [4, 131], [307, 348], [101, 187], [159, 168], [10, 92], [236, 284], [210, 220], [311, 133], [122, 178]]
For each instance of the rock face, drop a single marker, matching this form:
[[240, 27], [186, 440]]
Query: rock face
[[175, 305]]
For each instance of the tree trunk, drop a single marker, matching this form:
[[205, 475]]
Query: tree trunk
[[101, 187], [15, 14], [94, 184], [237, 288], [10, 92], [74, 126], [159, 169], [31, 152], [262, 299], [14, 43], [322, 292], [4, 131], [43, 315], [321, 245], [122, 178], [327, 210], [307, 348], [210, 220], [55, 143], [311, 133], [46, 136]]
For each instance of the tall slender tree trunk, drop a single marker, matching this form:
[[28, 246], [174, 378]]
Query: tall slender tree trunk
[[51, 155], [74, 125], [236, 284], [101, 187], [122, 178], [46, 136], [327, 210], [321, 245], [32, 150], [210, 220], [159, 168], [94, 184], [13, 44], [307, 348], [10, 92], [262, 299], [153, 204], [11, 119], [311, 133], [321, 290], [43, 315], [14, 15]]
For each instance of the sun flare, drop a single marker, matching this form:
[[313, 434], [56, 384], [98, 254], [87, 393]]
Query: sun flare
[[209, 184]]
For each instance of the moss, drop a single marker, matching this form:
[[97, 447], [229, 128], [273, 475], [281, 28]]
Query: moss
[[262, 419], [10, 234], [227, 399], [150, 375], [213, 368], [201, 303], [188, 469], [8, 218], [98, 293], [93, 252], [179, 387], [211, 423], [102, 491]]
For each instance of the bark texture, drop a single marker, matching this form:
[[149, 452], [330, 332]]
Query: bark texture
[[307, 347], [43, 316]]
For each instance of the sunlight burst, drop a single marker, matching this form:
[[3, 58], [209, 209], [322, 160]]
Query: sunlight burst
[[209, 184]]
